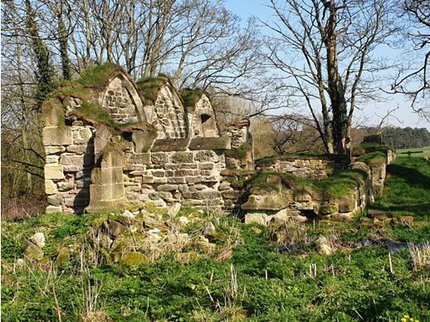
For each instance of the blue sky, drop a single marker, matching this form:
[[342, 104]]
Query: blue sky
[[371, 112]]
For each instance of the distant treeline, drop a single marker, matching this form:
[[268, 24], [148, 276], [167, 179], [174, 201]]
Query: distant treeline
[[407, 137]]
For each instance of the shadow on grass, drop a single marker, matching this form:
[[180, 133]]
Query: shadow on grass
[[413, 177]]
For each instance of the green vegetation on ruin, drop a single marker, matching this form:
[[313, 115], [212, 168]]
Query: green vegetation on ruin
[[149, 87], [98, 76], [190, 98], [302, 156], [95, 114], [239, 152]]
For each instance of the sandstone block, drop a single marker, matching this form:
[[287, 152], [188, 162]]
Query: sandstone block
[[50, 187], [182, 157], [258, 218], [65, 186], [206, 143], [54, 149], [53, 172], [54, 200], [167, 145], [206, 156], [51, 209], [52, 159], [167, 187], [54, 135], [159, 158], [111, 175]]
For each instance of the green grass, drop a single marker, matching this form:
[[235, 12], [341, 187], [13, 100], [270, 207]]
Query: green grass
[[407, 187], [267, 277], [149, 87], [191, 97], [415, 152]]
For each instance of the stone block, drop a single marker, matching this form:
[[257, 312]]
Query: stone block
[[257, 218], [231, 194], [216, 143], [81, 149], [184, 173], [54, 200], [206, 166], [53, 159], [159, 158], [66, 185], [168, 187], [168, 145], [53, 172], [107, 175], [54, 149], [103, 135], [50, 187], [54, 135], [206, 156], [71, 159], [182, 157], [143, 140], [273, 201], [112, 158], [51, 209], [175, 179]]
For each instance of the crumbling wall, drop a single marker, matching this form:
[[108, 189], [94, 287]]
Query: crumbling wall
[[69, 162], [317, 167]]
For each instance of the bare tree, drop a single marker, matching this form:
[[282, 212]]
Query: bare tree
[[414, 82], [325, 50]]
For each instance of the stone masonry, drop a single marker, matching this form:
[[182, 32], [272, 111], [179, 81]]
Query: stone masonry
[[116, 143]]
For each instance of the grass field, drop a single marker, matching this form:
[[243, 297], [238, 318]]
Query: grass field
[[265, 273], [415, 152]]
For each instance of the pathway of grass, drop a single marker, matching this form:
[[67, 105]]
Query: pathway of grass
[[407, 188]]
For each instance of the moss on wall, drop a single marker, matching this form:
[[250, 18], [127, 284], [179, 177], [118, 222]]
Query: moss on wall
[[240, 152], [98, 76], [190, 98], [149, 87]]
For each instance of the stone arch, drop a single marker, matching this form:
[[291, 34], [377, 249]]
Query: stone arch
[[121, 99], [169, 114], [203, 121]]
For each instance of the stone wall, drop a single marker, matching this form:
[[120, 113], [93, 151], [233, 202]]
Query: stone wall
[[304, 166], [69, 162]]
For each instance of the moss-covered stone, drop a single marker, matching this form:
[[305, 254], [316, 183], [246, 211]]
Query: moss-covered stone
[[98, 76], [94, 114], [190, 98], [240, 152], [149, 87], [53, 112], [63, 257], [134, 259]]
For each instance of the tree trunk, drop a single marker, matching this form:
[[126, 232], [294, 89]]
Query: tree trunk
[[336, 88]]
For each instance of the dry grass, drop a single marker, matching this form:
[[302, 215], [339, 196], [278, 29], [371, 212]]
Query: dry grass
[[16, 207], [420, 255]]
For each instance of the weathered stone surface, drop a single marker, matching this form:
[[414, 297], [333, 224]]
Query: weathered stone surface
[[38, 239], [258, 218], [159, 158], [206, 156], [53, 172], [50, 187], [52, 159], [54, 200], [54, 149], [143, 140], [66, 185], [182, 157], [273, 201], [53, 209], [55, 135], [323, 246], [208, 143], [167, 145]]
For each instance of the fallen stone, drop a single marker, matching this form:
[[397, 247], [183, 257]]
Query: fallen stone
[[38, 239], [257, 218], [33, 252], [209, 229], [324, 247]]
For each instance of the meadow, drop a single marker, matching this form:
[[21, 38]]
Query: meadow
[[378, 269]]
